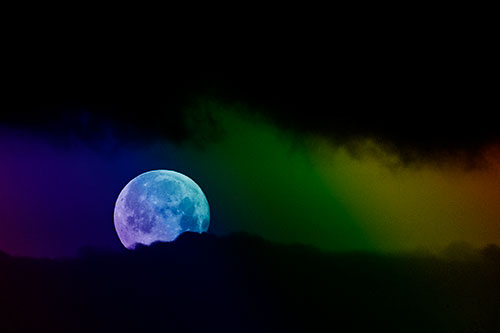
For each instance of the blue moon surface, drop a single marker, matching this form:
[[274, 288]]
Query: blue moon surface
[[159, 205]]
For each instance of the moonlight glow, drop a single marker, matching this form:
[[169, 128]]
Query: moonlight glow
[[158, 206]]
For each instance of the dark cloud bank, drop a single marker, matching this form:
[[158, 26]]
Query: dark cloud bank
[[241, 283]]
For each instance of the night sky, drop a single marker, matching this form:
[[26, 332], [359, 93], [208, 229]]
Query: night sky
[[346, 153], [351, 166]]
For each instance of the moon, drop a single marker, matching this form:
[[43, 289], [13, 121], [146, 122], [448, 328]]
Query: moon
[[159, 205]]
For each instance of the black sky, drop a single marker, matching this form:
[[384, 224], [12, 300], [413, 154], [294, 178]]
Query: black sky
[[420, 85]]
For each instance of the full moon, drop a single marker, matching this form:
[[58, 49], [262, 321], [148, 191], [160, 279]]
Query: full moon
[[159, 205]]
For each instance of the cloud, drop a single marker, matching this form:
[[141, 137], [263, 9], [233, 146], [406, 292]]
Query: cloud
[[356, 195]]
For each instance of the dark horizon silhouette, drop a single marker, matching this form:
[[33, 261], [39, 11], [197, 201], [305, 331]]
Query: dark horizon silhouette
[[243, 283]]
